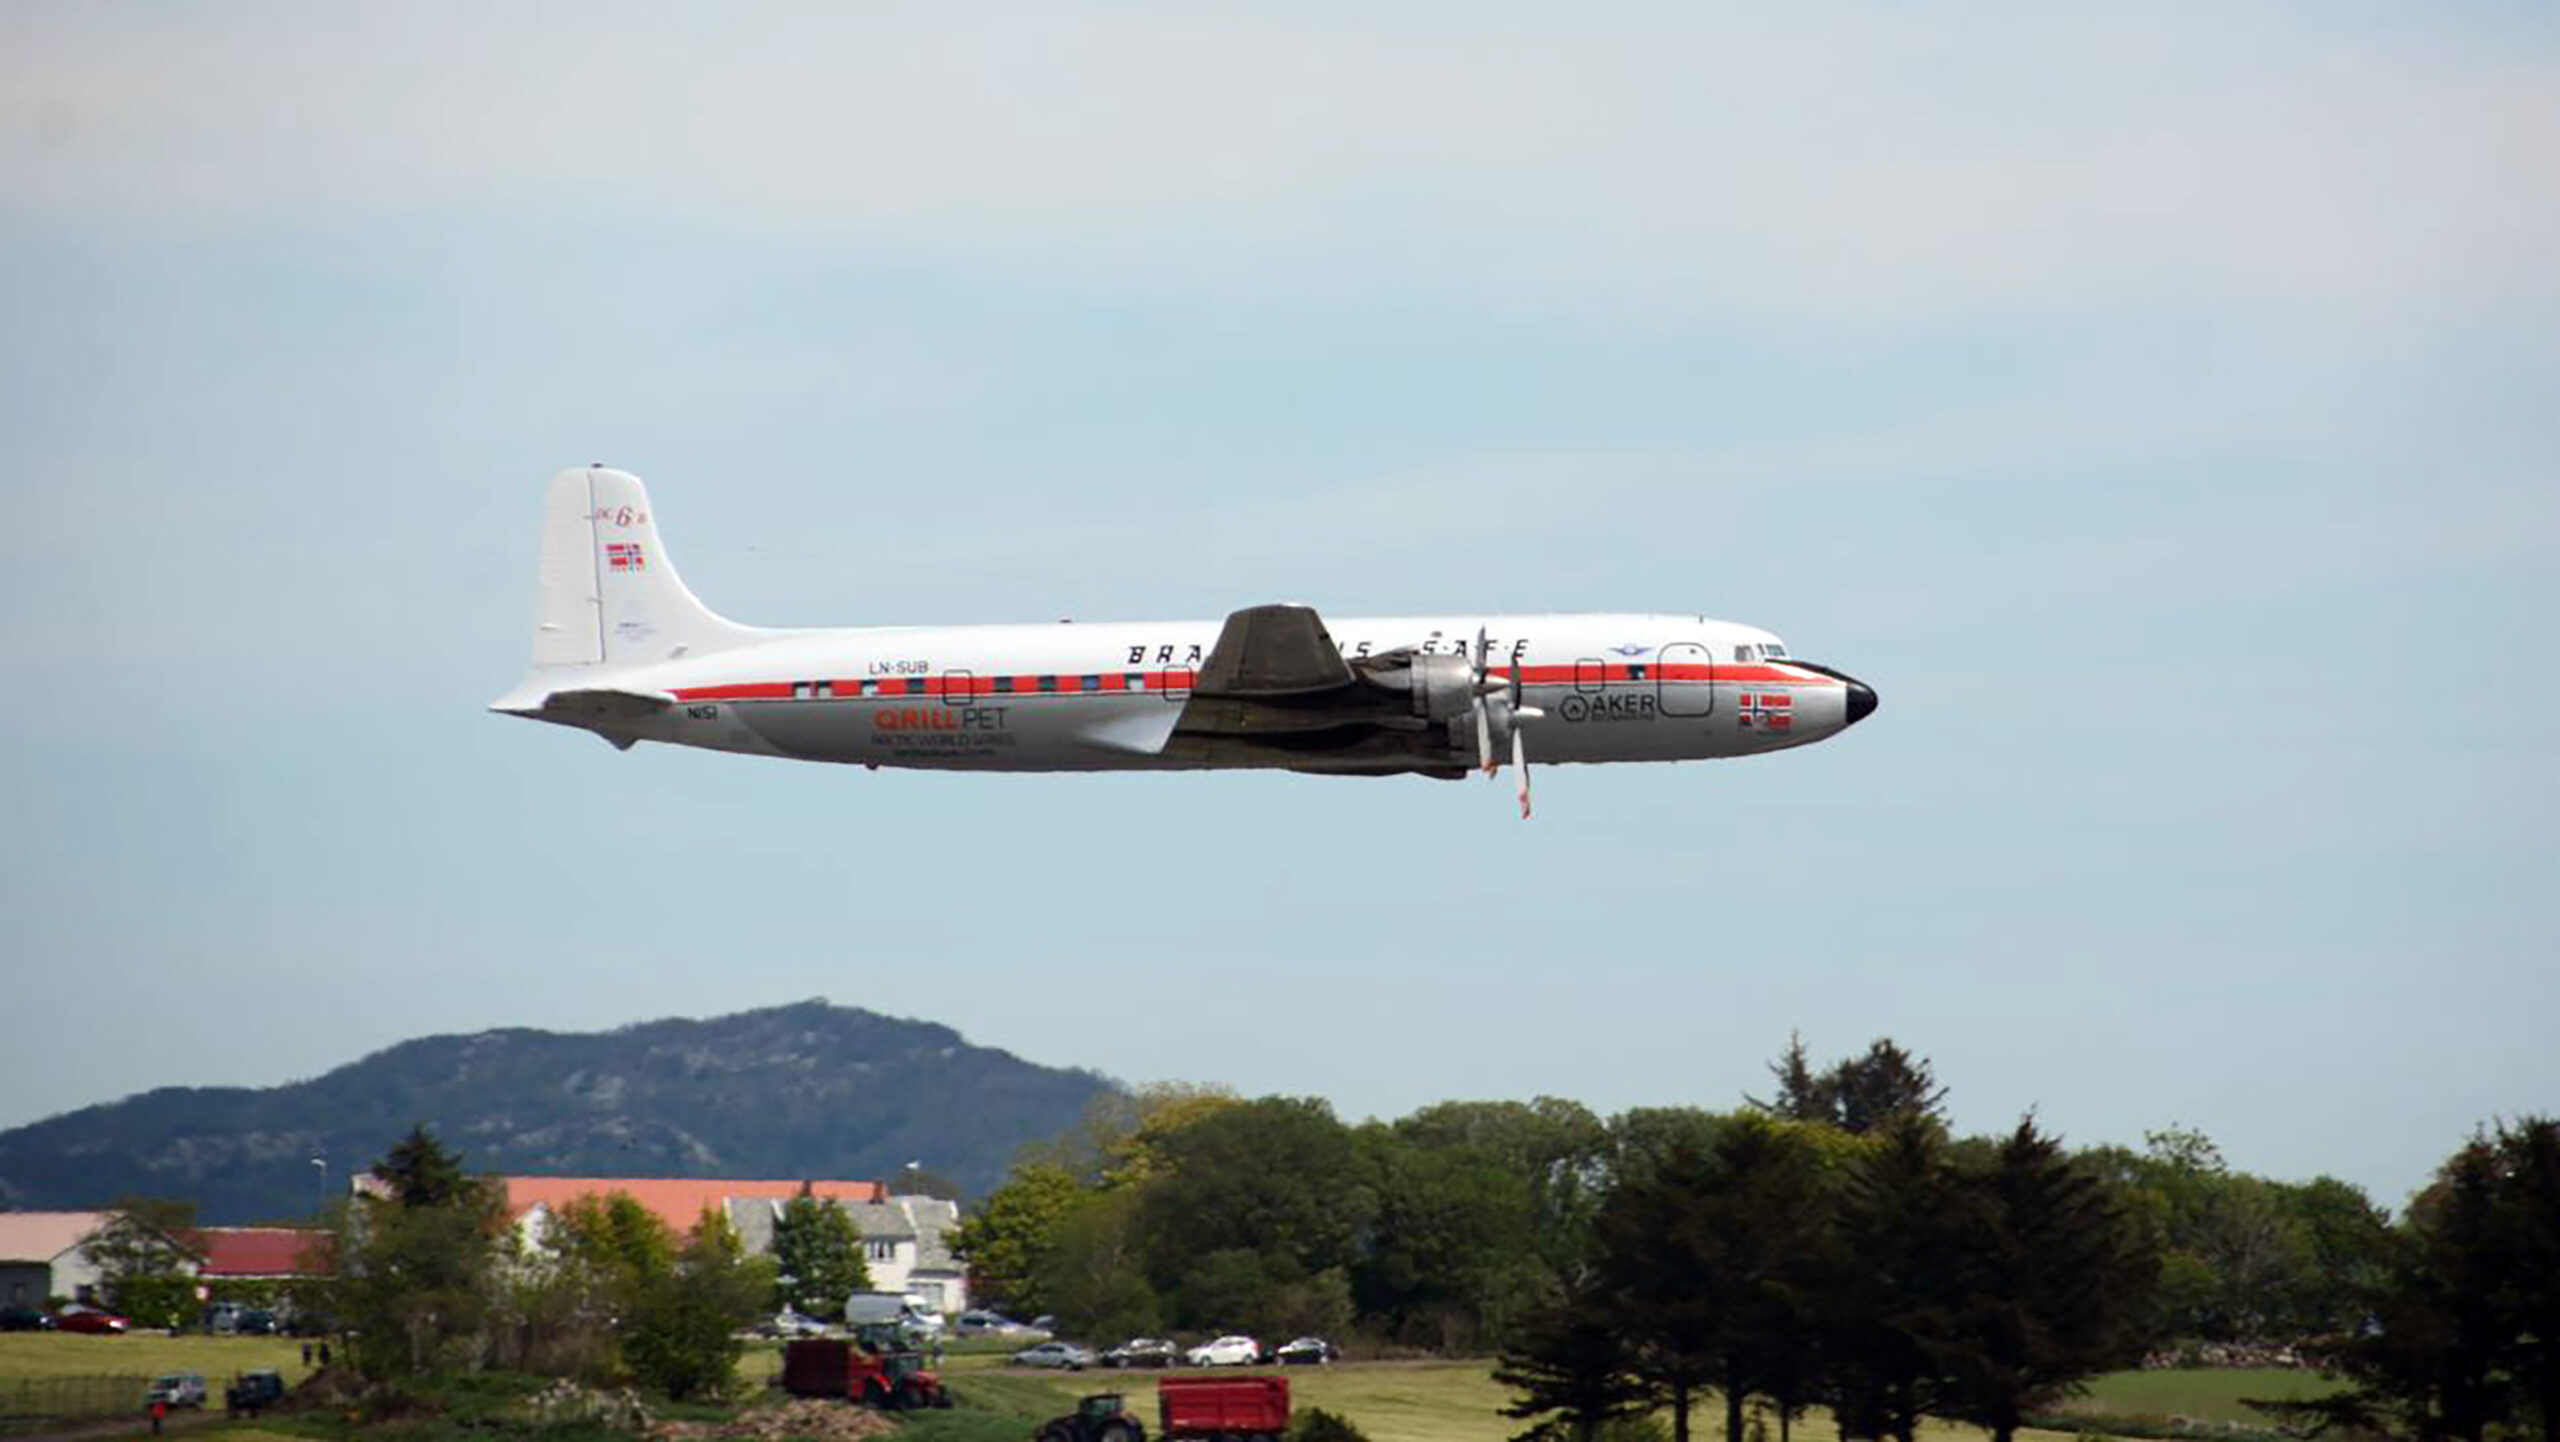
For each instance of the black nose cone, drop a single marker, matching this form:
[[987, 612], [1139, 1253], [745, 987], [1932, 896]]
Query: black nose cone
[[1862, 702]]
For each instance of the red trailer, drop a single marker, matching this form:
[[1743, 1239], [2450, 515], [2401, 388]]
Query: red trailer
[[828, 1367], [1245, 1409]]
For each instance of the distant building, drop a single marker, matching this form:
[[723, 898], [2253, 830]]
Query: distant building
[[905, 1244], [677, 1201], [261, 1253], [41, 1255]]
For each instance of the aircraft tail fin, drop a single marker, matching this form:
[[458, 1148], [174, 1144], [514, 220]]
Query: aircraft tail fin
[[609, 595]]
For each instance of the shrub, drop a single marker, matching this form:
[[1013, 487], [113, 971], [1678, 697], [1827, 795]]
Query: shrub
[[1318, 1425]]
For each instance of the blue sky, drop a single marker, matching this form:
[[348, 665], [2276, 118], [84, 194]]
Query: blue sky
[[2160, 410]]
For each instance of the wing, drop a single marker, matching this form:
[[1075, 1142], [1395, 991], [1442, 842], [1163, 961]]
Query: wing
[[1276, 691], [1273, 651]]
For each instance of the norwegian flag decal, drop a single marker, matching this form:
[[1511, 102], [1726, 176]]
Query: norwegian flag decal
[[625, 556], [1767, 710]]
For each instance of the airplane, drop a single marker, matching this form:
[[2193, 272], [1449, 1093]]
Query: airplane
[[623, 649]]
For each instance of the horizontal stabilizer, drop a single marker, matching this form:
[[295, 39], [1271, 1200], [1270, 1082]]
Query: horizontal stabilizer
[[582, 705]]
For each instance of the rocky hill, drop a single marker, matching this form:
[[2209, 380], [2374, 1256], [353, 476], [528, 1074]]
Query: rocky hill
[[810, 1090]]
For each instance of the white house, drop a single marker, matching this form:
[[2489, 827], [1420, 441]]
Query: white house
[[41, 1256], [905, 1244]]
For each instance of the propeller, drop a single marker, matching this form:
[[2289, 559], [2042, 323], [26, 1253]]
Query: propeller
[[1515, 711]]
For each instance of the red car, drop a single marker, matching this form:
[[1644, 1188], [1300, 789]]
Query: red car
[[89, 1319]]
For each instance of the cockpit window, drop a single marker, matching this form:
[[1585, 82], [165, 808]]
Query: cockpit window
[[1773, 651], [1746, 653]]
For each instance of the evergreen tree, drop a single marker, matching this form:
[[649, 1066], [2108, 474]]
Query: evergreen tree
[[1802, 1096], [2426, 1361], [817, 1257], [421, 1173], [1885, 1084], [1659, 1257], [418, 1289], [1901, 1235], [2528, 1238], [1571, 1368], [2054, 1284]]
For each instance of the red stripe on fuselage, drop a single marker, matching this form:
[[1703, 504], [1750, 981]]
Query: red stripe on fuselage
[[970, 686]]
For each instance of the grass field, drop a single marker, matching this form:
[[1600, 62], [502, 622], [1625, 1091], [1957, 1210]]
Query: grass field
[[145, 1354], [1390, 1401], [2207, 1394]]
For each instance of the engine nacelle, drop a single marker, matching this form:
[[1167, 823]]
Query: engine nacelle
[[1442, 687]]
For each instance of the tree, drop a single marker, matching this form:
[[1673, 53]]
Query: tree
[[144, 1245], [1556, 1149], [817, 1257], [1094, 1275], [420, 1173], [2528, 1237], [1273, 1190], [1571, 1367], [1857, 1095], [1658, 1258], [419, 1287], [684, 1338], [1453, 1257], [1008, 1241], [2457, 1337], [2055, 1282], [1901, 1229], [1802, 1096]]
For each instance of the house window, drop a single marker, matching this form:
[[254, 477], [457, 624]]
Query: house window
[[883, 1251]]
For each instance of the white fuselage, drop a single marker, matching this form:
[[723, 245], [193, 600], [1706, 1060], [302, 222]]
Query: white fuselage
[[622, 648], [1070, 696]]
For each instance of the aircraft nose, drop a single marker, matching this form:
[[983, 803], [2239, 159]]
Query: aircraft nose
[[1862, 702]]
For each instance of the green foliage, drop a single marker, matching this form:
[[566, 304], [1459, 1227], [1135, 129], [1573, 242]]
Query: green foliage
[[140, 1251], [420, 1262], [683, 1339], [1572, 1370], [2058, 1284], [421, 1173], [154, 1301], [1261, 1201], [1857, 1095], [2464, 1319], [1314, 1424], [1008, 1240], [817, 1257], [1454, 1255]]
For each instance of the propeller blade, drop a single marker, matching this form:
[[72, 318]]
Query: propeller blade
[[1520, 762], [1484, 737]]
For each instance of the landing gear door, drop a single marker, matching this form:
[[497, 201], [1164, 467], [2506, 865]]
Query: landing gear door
[[1685, 673]]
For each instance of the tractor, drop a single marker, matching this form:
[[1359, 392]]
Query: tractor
[[1099, 1418]]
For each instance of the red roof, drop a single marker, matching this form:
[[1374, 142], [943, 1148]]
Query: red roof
[[261, 1252], [678, 1202]]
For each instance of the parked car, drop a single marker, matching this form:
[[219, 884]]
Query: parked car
[[788, 1323], [1054, 1354], [1230, 1351], [90, 1320], [253, 1392], [24, 1319], [1305, 1352], [1143, 1352], [177, 1389], [982, 1323]]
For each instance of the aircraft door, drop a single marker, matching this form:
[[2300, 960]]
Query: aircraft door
[[1684, 673], [959, 688]]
